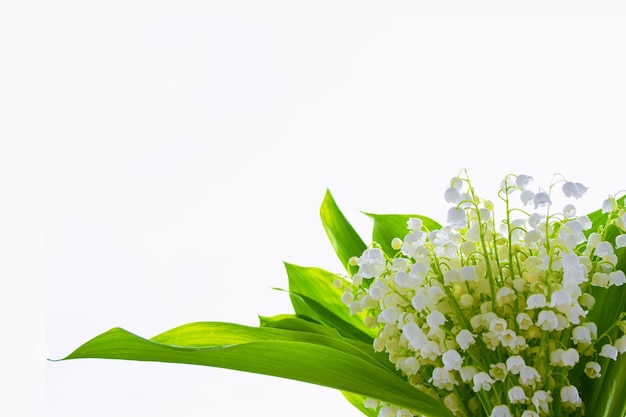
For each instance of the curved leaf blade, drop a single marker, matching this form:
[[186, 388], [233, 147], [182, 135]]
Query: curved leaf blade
[[298, 324], [298, 356], [344, 239], [389, 226], [608, 396], [293, 322], [326, 317], [314, 295]]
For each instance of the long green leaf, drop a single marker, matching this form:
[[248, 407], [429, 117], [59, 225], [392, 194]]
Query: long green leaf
[[299, 324], [300, 356], [314, 295], [610, 303], [609, 396], [389, 226], [326, 317], [344, 239], [295, 323]]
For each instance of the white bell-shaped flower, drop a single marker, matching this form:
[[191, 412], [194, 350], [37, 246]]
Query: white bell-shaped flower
[[570, 357], [541, 199], [452, 360], [522, 181], [501, 411], [371, 263], [620, 344], [457, 217], [452, 195], [541, 400], [529, 376], [569, 396], [482, 382], [574, 189], [569, 210], [581, 334], [608, 351], [536, 301], [517, 395], [435, 319], [465, 339], [593, 369], [617, 278]]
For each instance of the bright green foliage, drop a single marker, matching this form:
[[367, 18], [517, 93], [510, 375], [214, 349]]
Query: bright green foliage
[[345, 240], [610, 304], [389, 226], [323, 332], [313, 295], [339, 363]]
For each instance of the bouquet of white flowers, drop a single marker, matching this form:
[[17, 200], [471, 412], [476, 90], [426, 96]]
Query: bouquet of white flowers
[[523, 316]]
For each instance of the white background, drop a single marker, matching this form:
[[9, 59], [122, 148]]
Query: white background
[[160, 160]]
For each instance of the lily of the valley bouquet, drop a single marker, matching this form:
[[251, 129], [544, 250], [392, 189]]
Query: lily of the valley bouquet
[[523, 315]]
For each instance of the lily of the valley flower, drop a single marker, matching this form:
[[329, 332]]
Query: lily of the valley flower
[[491, 318]]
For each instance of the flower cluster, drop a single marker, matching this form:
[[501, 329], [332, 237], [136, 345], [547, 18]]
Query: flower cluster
[[491, 317]]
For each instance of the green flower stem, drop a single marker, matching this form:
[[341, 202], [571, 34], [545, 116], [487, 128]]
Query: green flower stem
[[484, 402], [464, 406]]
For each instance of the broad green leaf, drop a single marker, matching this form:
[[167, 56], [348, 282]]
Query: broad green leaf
[[326, 317], [295, 323], [389, 226], [602, 392], [610, 302], [345, 240], [301, 356], [313, 295], [292, 322], [608, 396]]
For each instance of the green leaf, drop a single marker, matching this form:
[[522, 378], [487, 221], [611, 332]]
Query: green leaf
[[314, 295], [292, 322], [295, 323], [610, 302], [345, 240], [301, 356], [599, 219], [326, 317], [389, 226], [608, 398], [603, 392]]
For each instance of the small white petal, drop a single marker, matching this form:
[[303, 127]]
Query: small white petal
[[604, 248], [452, 195], [457, 217], [569, 210], [541, 199], [522, 181], [536, 301], [609, 351], [452, 360], [574, 189], [526, 196]]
